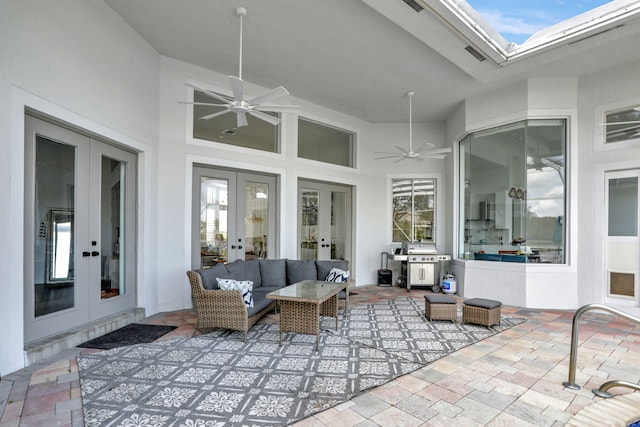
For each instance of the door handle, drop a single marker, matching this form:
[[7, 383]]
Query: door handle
[[95, 253], [85, 253], [233, 246], [239, 246]]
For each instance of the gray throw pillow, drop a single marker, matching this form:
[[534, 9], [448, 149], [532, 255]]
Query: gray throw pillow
[[273, 272], [301, 269], [325, 265], [209, 275]]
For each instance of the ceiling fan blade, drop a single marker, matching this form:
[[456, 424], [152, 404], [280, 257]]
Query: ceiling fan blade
[[269, 95], [391, 156], [277, 108], [237, 88], [266, 117], [388, 152], [438, 151], [208, 92], [400, 159], [402, 149], [208, 104], [435, 156], [216, 114], [424, 147], [242, 119]]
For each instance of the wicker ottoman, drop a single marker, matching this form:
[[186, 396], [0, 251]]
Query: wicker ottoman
[[481, 311], [440, 307]]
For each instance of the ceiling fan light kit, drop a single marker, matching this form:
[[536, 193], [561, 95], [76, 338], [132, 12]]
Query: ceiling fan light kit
[[427, 150], [256, 106]]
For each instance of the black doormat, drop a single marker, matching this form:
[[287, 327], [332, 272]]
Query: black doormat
[[134, 333]]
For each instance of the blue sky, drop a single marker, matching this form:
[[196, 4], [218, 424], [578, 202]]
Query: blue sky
[[517, 20]]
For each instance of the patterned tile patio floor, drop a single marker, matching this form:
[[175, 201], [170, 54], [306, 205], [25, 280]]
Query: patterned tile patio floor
[[511, 379]]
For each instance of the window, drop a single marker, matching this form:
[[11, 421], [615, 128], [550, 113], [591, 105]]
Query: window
[[258, 135], [324, 143], [513, 193], [622, 125], [413, 210]]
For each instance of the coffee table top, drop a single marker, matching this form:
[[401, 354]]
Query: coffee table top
[[307, 291]]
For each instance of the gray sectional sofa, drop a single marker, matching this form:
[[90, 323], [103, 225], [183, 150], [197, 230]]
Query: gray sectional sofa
[[219, 308]]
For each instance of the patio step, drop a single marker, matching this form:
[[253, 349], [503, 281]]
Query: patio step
[[46, 348], [621, 410]]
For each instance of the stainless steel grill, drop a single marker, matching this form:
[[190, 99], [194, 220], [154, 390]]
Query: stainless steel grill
[[422, 267]]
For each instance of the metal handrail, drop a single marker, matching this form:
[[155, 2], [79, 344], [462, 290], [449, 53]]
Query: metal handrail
[[571, 382]]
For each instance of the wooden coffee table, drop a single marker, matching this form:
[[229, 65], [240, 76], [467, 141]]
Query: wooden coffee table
[[302, 304]]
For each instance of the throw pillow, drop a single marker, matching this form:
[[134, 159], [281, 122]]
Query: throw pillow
[[337, 275], [244, 286]]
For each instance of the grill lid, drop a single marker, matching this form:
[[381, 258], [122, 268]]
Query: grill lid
[[418, 248]]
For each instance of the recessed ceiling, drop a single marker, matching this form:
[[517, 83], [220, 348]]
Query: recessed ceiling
[[358, 57]]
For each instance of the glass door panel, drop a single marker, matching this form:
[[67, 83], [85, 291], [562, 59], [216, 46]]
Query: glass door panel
[[338, 225], [309, 201], [112, 205], [256, 211], [214, 227], [54, 258]]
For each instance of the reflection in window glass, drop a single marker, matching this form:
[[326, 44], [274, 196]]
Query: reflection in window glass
[[623, 125], [413, 206], [513, 193], [258, 135], [325, 144]]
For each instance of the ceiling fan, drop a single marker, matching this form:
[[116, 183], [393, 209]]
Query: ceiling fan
[[425, 151], [255, 106]]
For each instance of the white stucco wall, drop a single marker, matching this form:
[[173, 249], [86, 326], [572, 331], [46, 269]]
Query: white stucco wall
[[79, 62]]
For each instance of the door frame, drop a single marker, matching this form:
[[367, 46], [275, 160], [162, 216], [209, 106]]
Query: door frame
[[88, 304]]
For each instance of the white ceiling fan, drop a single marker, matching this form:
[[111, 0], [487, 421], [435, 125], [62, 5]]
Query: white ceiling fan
[[425, 151], [255, 106]]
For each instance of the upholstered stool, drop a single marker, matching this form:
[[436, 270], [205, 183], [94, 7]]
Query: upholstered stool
[[440, 307], [481, 311]]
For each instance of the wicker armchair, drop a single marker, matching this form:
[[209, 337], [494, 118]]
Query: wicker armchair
[[222, 309]]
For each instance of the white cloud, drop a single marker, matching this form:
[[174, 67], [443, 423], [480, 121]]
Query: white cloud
[[509, 24]]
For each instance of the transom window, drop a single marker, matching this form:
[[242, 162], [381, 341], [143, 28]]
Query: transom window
[[622, 125], [317, 141], [258, 135]]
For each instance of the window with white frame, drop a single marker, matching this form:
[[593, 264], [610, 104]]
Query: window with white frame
[[622, 125], [413, 204]]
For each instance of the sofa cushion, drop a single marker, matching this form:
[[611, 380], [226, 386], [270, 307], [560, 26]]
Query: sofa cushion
[[244, 286], [259, 300], [324, 267], [237, 270], [273, 272], [301, 269], [252, 269], [337, 275], [209, 275]]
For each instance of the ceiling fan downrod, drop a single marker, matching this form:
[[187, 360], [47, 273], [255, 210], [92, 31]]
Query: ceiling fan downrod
[[241, 12]]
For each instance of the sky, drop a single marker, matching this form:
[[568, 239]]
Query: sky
[[517, 20]]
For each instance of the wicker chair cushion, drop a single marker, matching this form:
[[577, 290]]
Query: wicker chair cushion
[[439, 299], [337, 275], [244, 286], [260, 300], [209, 276], [273, 272], [483, 303], [252, 269], [237, 269], [300, 269], [324, 267]]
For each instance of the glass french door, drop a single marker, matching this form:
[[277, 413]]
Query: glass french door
[[324, 220], [234, 216], [622, 243], [80, 229]]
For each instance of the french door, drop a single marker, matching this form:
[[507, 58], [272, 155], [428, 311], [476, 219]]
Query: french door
[[324, 220], [79, 229], [622, 243], [234, 216]]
